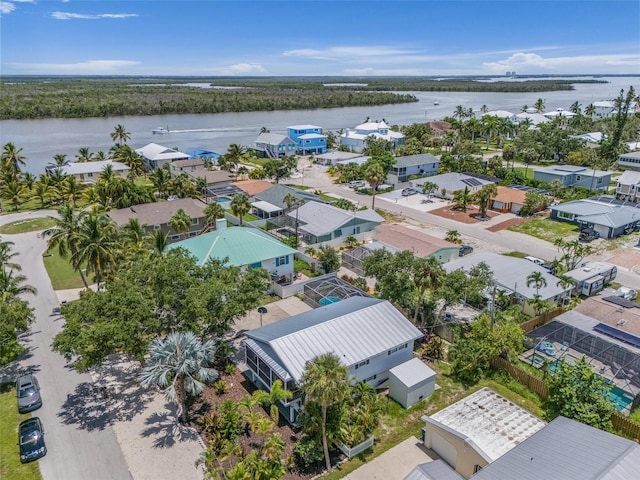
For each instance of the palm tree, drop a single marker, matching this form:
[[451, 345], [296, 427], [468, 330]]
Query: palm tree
[[428, 274], [71, 189], [453, 236], [490, 124], [180, 222], [120, 134], [483, 196], [462, 198], [127, 155], [235, 155], [178, 365], [536, 279], [96, 245], [59, 160], [325, 382], [160, 178], [539, 105], [374, 174], [6, 254], [240, 205], [12, 158], [290, 199], [538, 304], [84, 155], [590, 110], [13, 191], [159, 241], [429, 187], [276, 395], [212, 212], [12, 286]]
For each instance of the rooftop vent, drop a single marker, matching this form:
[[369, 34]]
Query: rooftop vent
[[621, 322]]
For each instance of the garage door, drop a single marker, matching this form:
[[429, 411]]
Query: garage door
[[443, 448]]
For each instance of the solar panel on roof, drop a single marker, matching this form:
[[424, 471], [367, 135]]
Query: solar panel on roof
[[618, 334], [623, 302]]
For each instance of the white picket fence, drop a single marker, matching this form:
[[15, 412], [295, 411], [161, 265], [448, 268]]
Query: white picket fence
[[351, 452]]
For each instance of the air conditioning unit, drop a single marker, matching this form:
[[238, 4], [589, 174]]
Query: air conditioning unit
[[621, 322]]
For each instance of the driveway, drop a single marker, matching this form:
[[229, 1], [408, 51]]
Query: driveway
[[396, 463], [77, 449]]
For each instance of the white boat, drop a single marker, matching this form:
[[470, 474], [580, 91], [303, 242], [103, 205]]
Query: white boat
[[436, 103], [160, 130]]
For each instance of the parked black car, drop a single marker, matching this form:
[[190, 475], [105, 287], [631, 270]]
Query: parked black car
[[465, 250], [31, 440], [28, 393], [588, 235]]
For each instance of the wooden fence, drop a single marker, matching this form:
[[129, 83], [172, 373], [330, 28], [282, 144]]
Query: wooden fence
[[621, 423], [546, 317]]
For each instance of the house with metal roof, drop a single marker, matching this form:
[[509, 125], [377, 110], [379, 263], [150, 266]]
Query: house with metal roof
[[591, 277], [337, 157], [449, 183], [629, 160], [270, 202], [423, 164], [477, 430], [510, 275], [369, 336], [568, 450], [179, 167], [273, 145], [89, 172], [574, 176], [411, 382], [243, 247], [320, 222], [309, 139], [155, 156], [157, 216], [628, 186], [609, 218], [435, 470], [356, 139]]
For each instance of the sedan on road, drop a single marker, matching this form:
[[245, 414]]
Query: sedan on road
[[31, 440], [465, 250], [28, 393]]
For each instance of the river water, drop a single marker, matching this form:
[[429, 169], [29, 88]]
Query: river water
[[42, 139]]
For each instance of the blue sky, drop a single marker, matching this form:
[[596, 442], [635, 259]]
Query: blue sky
[[363, 38]]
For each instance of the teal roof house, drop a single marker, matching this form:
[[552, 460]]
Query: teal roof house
[[243, 247]]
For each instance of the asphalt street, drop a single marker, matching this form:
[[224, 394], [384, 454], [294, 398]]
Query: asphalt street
[[78, 447]]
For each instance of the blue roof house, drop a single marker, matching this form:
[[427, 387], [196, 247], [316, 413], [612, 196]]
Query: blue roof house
[[243, 247], [308, 139]]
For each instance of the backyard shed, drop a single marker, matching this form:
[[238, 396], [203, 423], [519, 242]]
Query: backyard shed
[[410, 382]]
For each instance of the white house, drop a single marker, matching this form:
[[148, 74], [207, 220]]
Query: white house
[[89, 172], [155, 156], [356, 139], [629, 160], [628, 186], [368, 335], [411, 382]]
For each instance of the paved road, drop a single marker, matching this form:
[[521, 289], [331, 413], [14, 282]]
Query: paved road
[[506, 239], [78, 448]]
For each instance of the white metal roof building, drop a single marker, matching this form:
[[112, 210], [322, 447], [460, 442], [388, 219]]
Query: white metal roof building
[[155, 156], [89, 172], [411, 382], [368, 335], [477, 430]]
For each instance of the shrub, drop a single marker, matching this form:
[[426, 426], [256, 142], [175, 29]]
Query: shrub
[[229, 369], [308, 454], [220, 387]]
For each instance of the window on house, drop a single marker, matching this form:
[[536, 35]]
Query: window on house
[[578, 178], [372, 377], [156, 227], [192, 234], [362, 364], [194, 221], [90, 174]]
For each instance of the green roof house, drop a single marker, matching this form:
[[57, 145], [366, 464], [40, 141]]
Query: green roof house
[[243, 247]]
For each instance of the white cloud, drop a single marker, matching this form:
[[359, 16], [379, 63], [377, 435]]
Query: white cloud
[[340, 53], [85, 16], [6, 8], [239, 69], [533, 63], [90, 67]]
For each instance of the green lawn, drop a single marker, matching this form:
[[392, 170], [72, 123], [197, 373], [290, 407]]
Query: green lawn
[[28, 225], [516, 254], [61, 273], [547, 229], [10, 466]]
